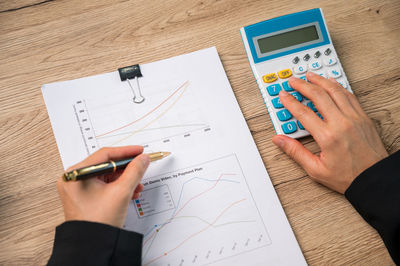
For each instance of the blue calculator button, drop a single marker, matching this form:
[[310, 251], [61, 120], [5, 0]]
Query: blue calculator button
[[286, 86], [289, 127], [274, 89], [320, 116], [284, 115], [298, 96], [303, 78], [312, 106], [300, 125], [276, 102]]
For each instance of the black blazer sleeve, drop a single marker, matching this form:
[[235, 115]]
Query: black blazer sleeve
[[375, 194], [87, 243]]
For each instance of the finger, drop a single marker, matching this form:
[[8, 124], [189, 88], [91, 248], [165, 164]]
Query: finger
[[139, 188], [335, 91], [136, 195], [352, 99], [318, 96], [298, 153], [305, 115], [108, 153], [134, 172]]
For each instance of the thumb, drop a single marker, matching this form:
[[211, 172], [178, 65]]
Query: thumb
[[297, 152], [134, 172]]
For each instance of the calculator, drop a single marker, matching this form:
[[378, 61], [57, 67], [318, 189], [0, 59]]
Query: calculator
[[288, 46]]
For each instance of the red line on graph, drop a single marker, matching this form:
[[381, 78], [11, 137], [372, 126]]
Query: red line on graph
[[194, 234], [147, 114], [201, 193]]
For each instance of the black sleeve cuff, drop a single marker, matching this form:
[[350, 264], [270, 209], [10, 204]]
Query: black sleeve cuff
[[375, 194], [89, 243]]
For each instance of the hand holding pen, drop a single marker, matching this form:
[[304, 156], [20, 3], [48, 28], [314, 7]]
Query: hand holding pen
[[94, 200]]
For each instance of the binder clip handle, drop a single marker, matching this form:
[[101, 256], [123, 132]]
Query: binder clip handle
[[132, 72]]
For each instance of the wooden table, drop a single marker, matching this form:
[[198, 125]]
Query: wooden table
[[53, 40]]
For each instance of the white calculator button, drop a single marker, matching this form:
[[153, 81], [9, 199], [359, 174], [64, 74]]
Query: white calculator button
[[334, 73], [314, 65], [323, 75], [329, 61], [300, 69]]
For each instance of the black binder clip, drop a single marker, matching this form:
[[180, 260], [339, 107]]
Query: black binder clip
[[132, 72]]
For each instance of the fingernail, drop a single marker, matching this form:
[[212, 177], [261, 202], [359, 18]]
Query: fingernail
[[283, 93], [291, 79], [279, 142], [145, 160]]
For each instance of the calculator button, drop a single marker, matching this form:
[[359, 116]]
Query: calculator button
[[306, 57], [300, 69], [303, 78], [284, 74], [320, 116], [284, 115], [296, 60], [289, 127], [300, 125], [334, 73], [329, 61], [323, 75], [312, 106], [286, 86], [328, 51], [276, 102], [274, 89], [270, 78], [317, 54], [298, 96], [314, 65]]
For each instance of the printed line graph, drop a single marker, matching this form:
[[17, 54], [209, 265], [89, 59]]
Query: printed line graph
[[214, 215], [167, 114], [176, 211], [157, 118], [148, 113], [193, 235]]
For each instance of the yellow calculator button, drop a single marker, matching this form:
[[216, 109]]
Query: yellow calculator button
[[284, 74], [270, 78]]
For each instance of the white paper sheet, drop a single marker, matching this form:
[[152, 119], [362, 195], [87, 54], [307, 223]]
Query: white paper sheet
[[211, 201]]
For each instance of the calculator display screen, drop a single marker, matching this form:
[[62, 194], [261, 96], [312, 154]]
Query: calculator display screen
[[288, 39]]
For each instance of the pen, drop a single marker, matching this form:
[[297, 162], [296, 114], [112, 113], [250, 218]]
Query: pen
[[107, 167]]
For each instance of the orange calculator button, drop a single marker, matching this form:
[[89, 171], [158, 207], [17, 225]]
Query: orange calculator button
[[284, 74], [270, 78]]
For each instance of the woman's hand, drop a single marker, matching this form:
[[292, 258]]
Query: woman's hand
[[347, 137], [104, 202]]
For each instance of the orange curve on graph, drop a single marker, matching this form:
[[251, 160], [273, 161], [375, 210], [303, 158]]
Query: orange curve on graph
[[147, 114], [195, 234], [186, 203]]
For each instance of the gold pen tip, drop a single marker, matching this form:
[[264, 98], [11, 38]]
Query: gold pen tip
[[166, 153]]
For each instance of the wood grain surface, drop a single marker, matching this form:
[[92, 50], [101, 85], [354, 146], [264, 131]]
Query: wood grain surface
[[54, 40]]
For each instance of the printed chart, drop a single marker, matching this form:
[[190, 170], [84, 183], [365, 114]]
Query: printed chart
[[198, 215], [171, 111]]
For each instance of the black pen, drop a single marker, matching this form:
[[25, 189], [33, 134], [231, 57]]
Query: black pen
[[107, 167]]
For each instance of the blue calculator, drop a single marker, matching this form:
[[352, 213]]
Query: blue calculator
[[290, 45]]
